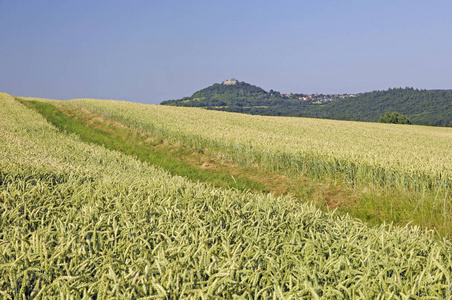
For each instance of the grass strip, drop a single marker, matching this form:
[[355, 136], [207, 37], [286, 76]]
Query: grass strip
[[124, 140]]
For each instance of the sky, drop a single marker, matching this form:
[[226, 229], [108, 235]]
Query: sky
[[151, 51]]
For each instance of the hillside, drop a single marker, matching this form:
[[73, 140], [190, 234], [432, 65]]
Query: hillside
[[83, 221], [241, 94], [422, 107]]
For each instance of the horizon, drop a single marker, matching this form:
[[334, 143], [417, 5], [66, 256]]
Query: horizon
[[295, 92], [149, 52]]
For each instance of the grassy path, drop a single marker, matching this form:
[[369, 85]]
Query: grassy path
[[179, 160]]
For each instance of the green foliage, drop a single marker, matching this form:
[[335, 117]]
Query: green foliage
[[422, 107], [394, 118], [218, 96]]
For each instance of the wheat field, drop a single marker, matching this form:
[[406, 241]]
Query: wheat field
[[80, 221]]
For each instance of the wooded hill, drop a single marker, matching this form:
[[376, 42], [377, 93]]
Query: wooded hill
[[422, 107]]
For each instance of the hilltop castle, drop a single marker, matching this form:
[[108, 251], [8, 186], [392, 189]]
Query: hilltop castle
[[230, 82]]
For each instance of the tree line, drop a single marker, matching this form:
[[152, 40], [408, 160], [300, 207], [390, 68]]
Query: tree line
[[422, 107]]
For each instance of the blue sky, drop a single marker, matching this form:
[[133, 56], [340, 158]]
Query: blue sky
[[150, 51]]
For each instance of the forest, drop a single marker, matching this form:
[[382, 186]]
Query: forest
[[422, 107]]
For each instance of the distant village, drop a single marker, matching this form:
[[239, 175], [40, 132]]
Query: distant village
[[315, 98], [318, 98]]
